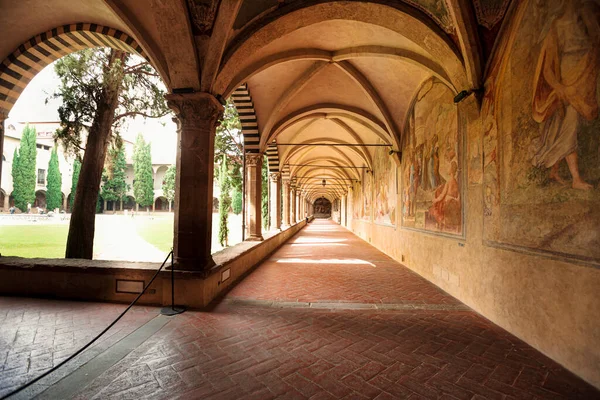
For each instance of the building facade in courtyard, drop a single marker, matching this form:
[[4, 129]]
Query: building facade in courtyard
[[162, 158]]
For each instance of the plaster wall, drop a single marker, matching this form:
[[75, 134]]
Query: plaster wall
[[549, 303], [488, 209]]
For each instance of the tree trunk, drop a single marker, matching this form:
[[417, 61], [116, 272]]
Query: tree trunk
[[80, 242]]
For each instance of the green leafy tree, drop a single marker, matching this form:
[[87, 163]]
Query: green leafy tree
[[265, 193], [23, 169], [54, 186], [16, 176], [143, 185], [168, 184], [236, 201], [100, 88], [74, 181], [235, 178], [229, 144], [224, 202], [114, 185], [229, 138]]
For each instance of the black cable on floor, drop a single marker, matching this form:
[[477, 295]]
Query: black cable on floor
[[93, 340]]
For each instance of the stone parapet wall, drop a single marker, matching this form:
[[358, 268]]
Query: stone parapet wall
[[96, 280]]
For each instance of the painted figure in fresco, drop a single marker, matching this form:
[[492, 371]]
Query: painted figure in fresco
[[564, 89], [446, 208]]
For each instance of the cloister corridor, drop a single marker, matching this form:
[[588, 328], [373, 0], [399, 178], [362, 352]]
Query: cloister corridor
[[327, 316]]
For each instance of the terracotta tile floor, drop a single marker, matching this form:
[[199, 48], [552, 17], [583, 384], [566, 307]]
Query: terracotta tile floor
[[36, 334], [327, 263], [247, 351]]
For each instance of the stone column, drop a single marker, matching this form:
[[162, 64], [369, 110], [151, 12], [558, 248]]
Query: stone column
[[298, 205], [254, 196], [197, 115], [3, 116], [275, 200], [286, 204], [293, 205], [343, 211]]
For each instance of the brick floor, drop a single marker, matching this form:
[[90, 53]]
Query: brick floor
[[238, 351], [246, 351], [325, 262], [37, 334]]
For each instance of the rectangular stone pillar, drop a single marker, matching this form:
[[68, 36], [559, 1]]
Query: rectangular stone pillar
[[275, 201], [286, 204], [293, 206], [197, 116], [254, 196]]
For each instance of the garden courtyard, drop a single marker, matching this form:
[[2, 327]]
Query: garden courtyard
[[143, 237]]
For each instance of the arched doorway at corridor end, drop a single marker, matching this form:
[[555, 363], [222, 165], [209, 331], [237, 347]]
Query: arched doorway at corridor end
[[322, 208]]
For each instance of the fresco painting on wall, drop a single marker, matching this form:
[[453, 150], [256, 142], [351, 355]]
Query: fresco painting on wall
[[385, 186], [541, 142], [490, 12], [367, 184], [432, 159], [436, 9]]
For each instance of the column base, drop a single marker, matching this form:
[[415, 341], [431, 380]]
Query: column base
[[284, 227], [192, 264], [254, 238]]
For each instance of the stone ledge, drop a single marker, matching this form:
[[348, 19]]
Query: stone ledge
[[96, 280]]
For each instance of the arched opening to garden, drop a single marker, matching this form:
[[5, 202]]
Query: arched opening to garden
[[40, 200], [86, 45]]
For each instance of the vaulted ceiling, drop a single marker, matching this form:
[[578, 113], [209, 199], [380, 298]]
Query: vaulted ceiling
[[329, 80]]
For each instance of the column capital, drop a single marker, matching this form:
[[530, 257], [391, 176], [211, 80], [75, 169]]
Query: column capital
[[274, 176], [194, 110], [286, 182], [3, 114], [253, 159]]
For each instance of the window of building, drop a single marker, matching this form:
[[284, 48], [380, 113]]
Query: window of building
[[41, 177]]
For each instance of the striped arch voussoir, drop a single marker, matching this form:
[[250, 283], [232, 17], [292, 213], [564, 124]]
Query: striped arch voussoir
[[19, 68], [273, 158], [245, 107]]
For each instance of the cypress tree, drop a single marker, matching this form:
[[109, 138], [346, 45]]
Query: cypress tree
[[143, 186], [24, 173], [115, 186], [74, 180], [224, 202], [54, 192], [168, 185], [236, 183], [16, 175]]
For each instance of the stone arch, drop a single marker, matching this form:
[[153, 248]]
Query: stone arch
[[40, 199], [161, 204], [3, 200], [129, 204], [19, 68], [273, 157], [424, 33], [245, 107]]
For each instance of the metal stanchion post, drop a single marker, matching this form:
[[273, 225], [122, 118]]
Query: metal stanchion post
[[173, 310]]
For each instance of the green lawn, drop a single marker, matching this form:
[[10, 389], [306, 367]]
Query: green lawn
[[31, 241], [158, 232]]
